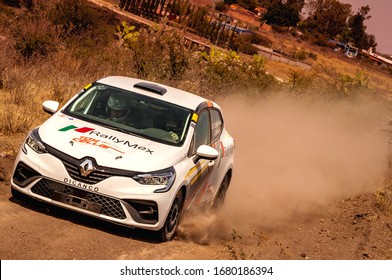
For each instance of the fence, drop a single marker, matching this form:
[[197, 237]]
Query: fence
[[198, 20]]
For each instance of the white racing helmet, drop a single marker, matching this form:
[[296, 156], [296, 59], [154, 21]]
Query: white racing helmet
[[118, 106]]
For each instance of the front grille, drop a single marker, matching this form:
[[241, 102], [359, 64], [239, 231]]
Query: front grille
[[99, 173], [95, 177], [90, 201]]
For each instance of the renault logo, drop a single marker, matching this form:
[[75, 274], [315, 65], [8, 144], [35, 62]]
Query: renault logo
[[86, 167]]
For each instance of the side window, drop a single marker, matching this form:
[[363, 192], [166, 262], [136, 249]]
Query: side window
[[202, 133], [84, 103], [216, 125]]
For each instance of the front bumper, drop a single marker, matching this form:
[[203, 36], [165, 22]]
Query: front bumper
[[112, 197]]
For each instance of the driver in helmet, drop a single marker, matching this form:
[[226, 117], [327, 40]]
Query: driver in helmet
[[118, 108]]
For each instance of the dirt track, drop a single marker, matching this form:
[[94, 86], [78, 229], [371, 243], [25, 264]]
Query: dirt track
[[317, 170]]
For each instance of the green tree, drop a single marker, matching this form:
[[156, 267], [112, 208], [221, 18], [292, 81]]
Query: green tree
[[281, 15], [296, 4], [328, 17], [246, 4], [358, 29], [221, 6], [370, 42], [229, 2], [250, 5]]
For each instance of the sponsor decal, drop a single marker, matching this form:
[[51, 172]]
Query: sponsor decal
[[65, 116], [80, 185], [96, 142], [81, 130]]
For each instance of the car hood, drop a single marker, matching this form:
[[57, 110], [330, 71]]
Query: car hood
[[108, 147]]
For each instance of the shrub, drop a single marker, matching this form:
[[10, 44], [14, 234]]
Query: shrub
[[220, 6], [350, 84], [127, 34], [312, 55], [160, 53], [248, 49], [223, 70], [73, 16], [384, 199], [299, 83], [34, 43], [243, 43], [300, 54], [259, 39], [33, 33]]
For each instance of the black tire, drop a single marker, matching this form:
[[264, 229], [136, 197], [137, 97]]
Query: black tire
[[221, 194], [167, 232]]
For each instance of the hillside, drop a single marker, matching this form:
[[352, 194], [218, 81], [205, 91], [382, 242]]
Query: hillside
[[323, 60]]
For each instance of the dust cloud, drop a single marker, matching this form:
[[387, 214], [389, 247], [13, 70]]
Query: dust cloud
[[293, 155]]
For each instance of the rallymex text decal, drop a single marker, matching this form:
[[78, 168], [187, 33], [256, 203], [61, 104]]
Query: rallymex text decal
[[96, 142]]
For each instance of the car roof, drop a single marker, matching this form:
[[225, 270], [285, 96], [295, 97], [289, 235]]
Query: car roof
[[156, 90]]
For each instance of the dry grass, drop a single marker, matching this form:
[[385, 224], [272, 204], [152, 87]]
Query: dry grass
[[73, 60], [384, 200], [327, 58]]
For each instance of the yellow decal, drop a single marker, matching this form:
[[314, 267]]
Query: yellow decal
[[195, 117], [197, 166], [88, 86], [199, 174]]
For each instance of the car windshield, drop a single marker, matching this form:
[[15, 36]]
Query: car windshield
[[132, 113]]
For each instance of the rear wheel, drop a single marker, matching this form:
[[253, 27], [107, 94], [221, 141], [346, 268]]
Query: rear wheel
[[168, 231], [221, 194]]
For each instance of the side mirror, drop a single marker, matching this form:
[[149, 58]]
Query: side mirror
[[207, 152], [50, 106]]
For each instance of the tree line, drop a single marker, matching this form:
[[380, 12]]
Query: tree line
[[329, 19]]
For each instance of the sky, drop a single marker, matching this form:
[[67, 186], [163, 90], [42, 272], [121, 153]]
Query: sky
[[380, 23]]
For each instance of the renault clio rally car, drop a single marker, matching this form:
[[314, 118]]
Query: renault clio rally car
[[128, 151]]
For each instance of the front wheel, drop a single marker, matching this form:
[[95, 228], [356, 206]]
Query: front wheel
[[167, 232], [221, 194]]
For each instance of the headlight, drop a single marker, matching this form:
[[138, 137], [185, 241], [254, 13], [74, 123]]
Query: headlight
[[153, 179], [164, 178], [34, 142]]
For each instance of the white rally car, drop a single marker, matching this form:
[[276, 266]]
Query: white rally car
[[130, 152]]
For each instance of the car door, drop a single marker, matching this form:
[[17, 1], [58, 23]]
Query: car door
[[204, 172]]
